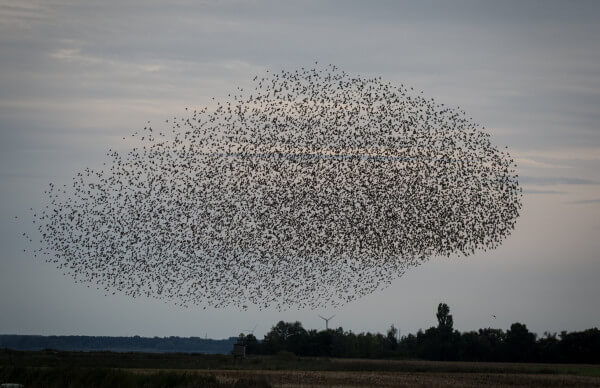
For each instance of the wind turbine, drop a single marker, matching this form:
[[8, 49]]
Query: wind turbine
[[326, 321], [250, 331]]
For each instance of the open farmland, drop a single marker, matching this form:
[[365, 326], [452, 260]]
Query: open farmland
[[285, 370], [403, 379]]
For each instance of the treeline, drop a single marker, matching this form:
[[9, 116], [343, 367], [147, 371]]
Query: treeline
[[441, 343], [118, 344]]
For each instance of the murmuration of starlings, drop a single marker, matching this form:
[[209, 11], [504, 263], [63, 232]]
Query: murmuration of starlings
[[310, 189]]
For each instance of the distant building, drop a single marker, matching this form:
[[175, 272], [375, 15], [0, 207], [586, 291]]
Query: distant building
[[239, 350]]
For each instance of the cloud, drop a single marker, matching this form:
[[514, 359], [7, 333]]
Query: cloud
[[582, 153], [584, 201], [534, 163], [533, 191], [75, 55], [20, 13], [551, 181]]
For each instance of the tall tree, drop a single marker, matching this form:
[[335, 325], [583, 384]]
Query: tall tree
[[444, 317], [392, 338], [520, 343]]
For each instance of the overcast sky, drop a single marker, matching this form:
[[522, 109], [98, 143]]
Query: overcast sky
[[76, 76]]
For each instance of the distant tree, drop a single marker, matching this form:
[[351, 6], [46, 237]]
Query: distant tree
[[322, 342], [580, 346], [252, 344], [351, 344], [392, 338], [408, 346], [517, 344], [441, 342], [484, 345], [338, 343], [493, 342], [285, 336], [443, 316], [548, 348], [520, 343], [369, 345]]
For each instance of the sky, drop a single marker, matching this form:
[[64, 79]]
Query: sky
[[77, 76]]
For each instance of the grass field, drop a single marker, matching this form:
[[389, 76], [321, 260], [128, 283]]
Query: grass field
[[104, 369]]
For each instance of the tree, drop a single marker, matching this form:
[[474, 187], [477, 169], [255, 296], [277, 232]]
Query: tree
[[441, 343], [252, 345], [392, 338], [444, 317], [285, 336], [520, 343]]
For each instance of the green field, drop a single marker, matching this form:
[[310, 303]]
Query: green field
[[103, 369]]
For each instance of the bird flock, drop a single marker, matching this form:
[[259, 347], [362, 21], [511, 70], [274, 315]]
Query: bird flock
[[310, 189]]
